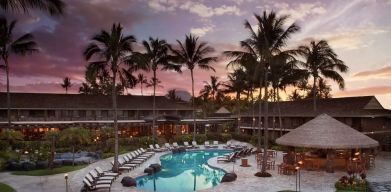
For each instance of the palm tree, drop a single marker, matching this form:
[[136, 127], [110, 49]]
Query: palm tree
[[263, 44], [66, 84], [10, 136], [53, 7], [141, 79], [112, 51], [192, 53], [236, 84], [75, 137], [23, 45], [322, 62], [171, 94], [156, 56], [51, 136], [213, 89]]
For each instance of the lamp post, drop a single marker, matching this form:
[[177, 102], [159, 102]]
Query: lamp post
[[297, 177], [66, 182]]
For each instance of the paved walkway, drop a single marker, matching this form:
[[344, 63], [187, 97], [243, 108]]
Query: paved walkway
[[380, 186]]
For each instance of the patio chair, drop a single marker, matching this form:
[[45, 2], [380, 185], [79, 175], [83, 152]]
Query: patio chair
[[168, 146], [144, 153], [127, 162], [159, 148], [229, 158], [93, 181], [147, 152], [215, 144], [138, 158], [121, 167], [91, 186], [132, 160], [139, 154], [96, 177], [186, 144], [195, 145], [105, 173], [228, 145], [175, 144], [207, 145], [155, 150]]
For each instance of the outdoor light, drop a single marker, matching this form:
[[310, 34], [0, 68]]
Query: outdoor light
[[297, 177], [66, 182], [357, 153], [254, 119], [26, 152]]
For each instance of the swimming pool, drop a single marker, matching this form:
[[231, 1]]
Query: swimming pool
[[183, 172]]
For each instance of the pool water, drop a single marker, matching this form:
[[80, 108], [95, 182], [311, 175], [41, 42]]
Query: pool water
[[183, 172]]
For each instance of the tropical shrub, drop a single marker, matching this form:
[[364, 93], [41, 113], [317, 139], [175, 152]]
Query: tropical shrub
[[352, 182], [226, 137]]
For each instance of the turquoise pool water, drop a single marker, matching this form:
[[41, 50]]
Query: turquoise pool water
[[183, 172]]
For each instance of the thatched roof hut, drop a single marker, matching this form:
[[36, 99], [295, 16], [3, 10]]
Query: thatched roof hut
[[325, 132]]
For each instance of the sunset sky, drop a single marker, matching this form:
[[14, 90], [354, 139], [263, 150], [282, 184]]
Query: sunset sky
[[359, 31]]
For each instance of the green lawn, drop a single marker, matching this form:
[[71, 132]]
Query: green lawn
[[41, 172], [6, 188]]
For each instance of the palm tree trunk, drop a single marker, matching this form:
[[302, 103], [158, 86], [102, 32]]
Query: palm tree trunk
[[73, 155], [260, 114], [141, 85], [194, 116], [8, 92], [314, 93], [279, 112], [274, 116], [114, 99], [238, 110], [153, 107], [266, 131], [52, 150]]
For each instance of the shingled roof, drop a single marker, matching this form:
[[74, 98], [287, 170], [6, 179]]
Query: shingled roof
[[364, 106], [79, 101]]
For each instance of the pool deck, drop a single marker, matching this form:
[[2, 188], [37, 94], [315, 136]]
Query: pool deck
[[310, 180]]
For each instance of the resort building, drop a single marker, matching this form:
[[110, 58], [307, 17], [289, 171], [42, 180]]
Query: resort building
[[36, 113], [364, 114]]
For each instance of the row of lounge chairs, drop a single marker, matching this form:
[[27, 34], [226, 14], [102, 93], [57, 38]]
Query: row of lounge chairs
[[99, 179], [235, 155], [194, 145]]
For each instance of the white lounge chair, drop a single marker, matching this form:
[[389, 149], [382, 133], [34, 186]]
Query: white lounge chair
[[175, 144], [195, 145], [228, 145], [168, 146], [207, 145], [215, 144], [96, 177], [92, 180], [160, 148], [91, 186], [147, 152], [105, 173], [186, 144], [155, 150]]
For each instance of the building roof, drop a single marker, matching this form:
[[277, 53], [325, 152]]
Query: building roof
[[364, 106], [222, 110], [79, 101], [325, 132]]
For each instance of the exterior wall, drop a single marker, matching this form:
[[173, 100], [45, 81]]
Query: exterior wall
[[73, 115]]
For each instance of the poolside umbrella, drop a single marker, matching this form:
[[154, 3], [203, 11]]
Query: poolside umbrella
[[325, 132]]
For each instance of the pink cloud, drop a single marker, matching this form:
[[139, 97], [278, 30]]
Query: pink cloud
[[382, 72]]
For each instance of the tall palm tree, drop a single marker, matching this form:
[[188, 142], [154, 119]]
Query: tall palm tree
[[192, 53], [66, 84], [284, 72], [112, 51], [266, 41], [141, 79], [322, 62], [236, 84], [53, 7], [23, 45], [51, 136], [156, 56]]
